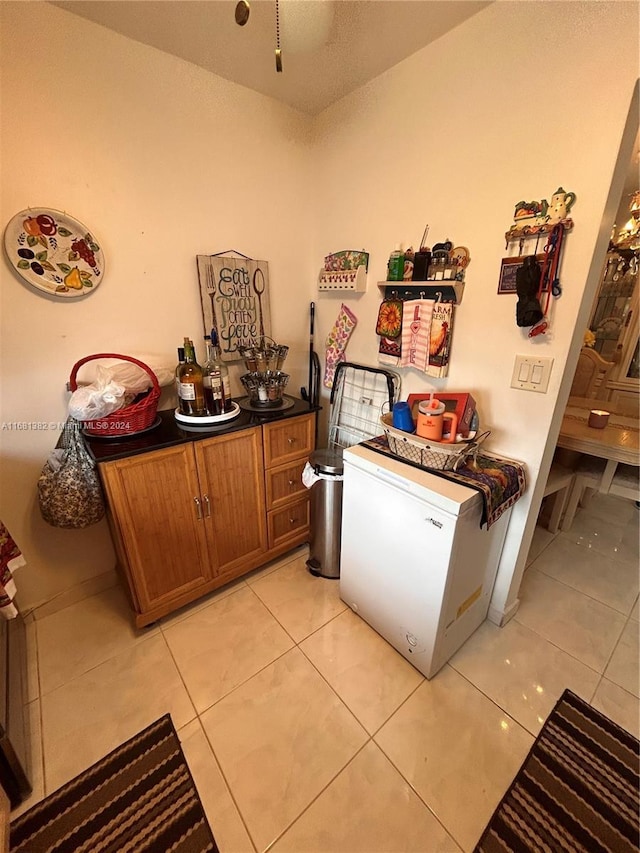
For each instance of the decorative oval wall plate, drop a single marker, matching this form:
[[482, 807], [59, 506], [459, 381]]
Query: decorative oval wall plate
[[54, 252]]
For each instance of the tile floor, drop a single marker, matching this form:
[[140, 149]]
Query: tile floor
[[306, 732]]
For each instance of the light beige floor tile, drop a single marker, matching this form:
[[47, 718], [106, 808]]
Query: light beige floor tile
[[521, 672], [621, 707], [368, 674], [634, 612], [302, 552], [34, 767], [581, 626], [624, 667], [222, 645], [78, 592], [611, 508], [226, 824], [613, 540], [280, 738], [613, 582], [301, 602], [88, 717], [74, 640], [33, 675], [540, 540], [630, 545], [457, 749], [201, 603], [368, 808]]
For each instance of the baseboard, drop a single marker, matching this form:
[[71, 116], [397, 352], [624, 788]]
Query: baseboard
[[76, 593], [501, 617]]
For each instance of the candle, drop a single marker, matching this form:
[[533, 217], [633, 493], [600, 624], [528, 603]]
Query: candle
[[598, 419]]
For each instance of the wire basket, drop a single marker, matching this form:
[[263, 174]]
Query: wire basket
[[137, 416], [429, 454]]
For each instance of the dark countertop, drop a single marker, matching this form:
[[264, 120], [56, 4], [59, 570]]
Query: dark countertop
[[169, 433]]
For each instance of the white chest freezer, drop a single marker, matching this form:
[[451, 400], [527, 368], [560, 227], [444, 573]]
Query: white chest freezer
[[415, 563]]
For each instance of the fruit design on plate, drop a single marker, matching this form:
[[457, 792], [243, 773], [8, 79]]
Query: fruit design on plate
[[54, 252]]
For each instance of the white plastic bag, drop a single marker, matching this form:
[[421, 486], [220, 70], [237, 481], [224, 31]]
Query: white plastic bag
[[101, 398], [163, 369]]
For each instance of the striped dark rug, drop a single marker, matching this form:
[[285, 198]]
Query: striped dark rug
[[576, 791], [141, 797]]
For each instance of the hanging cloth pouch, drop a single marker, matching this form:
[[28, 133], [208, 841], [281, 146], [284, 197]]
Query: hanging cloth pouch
[[528, 311], [69, 491], [389, 323]]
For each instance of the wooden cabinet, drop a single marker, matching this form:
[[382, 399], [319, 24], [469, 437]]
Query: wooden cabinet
[[287, 445], [189, 518]]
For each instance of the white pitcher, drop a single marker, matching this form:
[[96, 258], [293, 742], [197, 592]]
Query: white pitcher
[[561, 203]]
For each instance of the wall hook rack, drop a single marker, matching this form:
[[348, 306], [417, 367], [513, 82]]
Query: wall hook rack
[[441, 291]]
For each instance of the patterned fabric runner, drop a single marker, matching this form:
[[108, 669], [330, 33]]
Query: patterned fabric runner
[[10, 559], [500, 481], [576, 791]]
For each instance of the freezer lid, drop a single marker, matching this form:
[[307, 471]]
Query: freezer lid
[[451, 497]]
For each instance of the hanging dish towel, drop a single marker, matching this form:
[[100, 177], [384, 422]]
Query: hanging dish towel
[[416, 329], [440, 340], [10, 559]]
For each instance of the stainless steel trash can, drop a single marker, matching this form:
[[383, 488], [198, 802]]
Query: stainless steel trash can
[[326, 513]]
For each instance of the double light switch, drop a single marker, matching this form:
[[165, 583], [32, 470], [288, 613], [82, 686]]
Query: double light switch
[[531, 373]]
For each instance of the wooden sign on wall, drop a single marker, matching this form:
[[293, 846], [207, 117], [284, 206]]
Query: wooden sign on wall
[[235, 300]]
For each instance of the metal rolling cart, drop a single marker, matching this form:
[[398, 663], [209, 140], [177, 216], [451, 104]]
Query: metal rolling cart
[[359, 395]]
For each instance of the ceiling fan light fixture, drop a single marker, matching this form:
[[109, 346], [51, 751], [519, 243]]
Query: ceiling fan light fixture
[[242, 12]]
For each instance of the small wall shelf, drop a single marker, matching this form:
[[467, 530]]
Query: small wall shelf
[[445, 291], [354, 280]]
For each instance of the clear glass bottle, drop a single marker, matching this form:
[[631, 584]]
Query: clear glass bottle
[[216, 358], [212, 381], [190, 386]]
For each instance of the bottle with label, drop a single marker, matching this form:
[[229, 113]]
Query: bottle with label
[[180, 363], [190, 386], [395, 266], [224, 370], [212, 381]]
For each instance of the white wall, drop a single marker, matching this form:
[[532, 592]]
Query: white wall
[[522, 98], [163, 161]]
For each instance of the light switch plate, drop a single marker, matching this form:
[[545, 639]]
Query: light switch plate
[[531, 373]]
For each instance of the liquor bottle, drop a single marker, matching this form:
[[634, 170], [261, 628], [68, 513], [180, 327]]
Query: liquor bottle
[[224, 370], [212, 381], [191, 390], [180, 363]]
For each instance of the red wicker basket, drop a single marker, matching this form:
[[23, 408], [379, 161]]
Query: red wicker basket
[[131, 419]]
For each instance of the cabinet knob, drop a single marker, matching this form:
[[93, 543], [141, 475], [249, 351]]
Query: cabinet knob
[[291, 440], [291, 482], [293, 520], [198, 508], [207, 503]]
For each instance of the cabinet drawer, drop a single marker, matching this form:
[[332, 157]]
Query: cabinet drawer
[[287, 440], [284, 483], [288, 523]]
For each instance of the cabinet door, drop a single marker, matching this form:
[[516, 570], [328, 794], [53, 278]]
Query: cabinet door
[[152, 497], [231, 475], [288, 439]]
